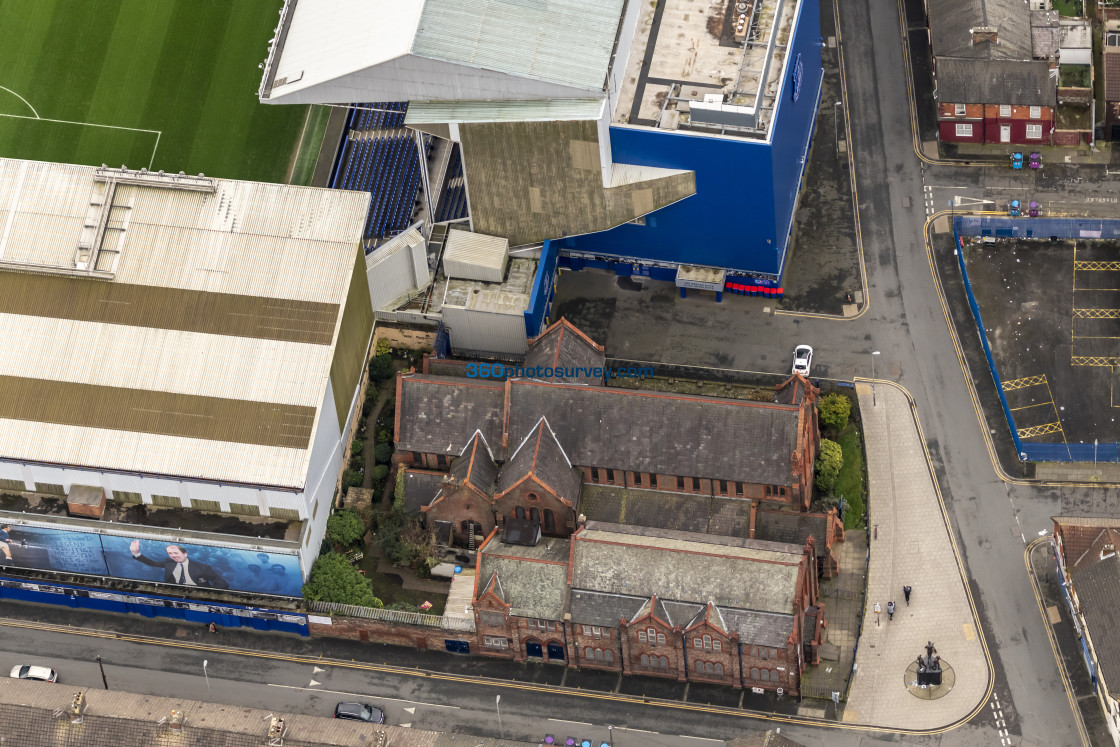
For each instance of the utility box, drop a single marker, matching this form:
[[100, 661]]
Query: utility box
[[475, 256], [86, 500]]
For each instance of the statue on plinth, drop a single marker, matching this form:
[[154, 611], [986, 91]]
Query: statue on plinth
[[929, 667]]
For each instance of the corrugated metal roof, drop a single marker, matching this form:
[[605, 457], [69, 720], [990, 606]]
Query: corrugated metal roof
[[427, 112], [475, 256], [326, 39], [560, 41], [225, 305]]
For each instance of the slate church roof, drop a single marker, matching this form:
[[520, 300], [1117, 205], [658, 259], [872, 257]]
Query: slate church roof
[[686, 567], [541, 456], [475, 466], [563, 346]]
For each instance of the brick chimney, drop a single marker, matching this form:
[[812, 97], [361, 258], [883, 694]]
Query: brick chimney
[[985, 34]]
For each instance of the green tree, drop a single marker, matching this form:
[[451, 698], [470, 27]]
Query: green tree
[[829, 462], [834, 410], [380, 367], [345, 527], [398, 493], [382, 453], [333, 579], [379, 472], [351, 478]]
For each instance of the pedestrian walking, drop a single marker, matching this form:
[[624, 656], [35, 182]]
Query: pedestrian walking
[[906, 593], [890, 610], [878, 611]]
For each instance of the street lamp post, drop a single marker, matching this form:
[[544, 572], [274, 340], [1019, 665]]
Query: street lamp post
[[103, 680], [873, 354], [207, 676], [498, 706], [610, 735]]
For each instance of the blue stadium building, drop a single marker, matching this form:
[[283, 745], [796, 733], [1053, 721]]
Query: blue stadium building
[[666, 139]]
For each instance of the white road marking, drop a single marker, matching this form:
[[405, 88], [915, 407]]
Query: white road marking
[[367, 695], [685, 736], [313, 683], [410, 711], [316, 670], [643, 731], [566, 721]]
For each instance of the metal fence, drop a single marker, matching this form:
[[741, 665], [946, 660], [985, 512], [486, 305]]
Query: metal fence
[[1062, 228], [396, 617]]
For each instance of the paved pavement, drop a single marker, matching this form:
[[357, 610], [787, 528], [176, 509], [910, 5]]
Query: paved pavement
[[911, 546]]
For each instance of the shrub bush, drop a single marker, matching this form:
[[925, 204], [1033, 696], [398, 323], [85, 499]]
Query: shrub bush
[[379, 473], [829, 462], [345, 527], [382, 453], [356, 446], [333, 579], [834, 411], [351, 478], [402, 607], [380, 367]]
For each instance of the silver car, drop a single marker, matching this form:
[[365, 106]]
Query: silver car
[[28, 672]]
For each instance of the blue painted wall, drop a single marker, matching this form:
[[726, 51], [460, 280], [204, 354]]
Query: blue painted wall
[[739, 217]]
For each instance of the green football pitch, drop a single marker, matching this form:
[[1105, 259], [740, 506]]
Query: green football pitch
[[160, 84]]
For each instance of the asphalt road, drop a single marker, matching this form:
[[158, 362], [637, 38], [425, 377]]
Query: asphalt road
[[408, 697]]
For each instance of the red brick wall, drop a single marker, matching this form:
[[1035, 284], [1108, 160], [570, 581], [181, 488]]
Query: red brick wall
[[459, 504], [636, 645], [564, 514], [607, 642], [1067, 137], [377, 631], [780, 665], [706, 645]]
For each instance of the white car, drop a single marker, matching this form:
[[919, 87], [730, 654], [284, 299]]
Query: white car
[[28, 672], [802, 359]]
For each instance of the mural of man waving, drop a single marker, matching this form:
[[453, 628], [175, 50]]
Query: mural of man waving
[[180, 569]]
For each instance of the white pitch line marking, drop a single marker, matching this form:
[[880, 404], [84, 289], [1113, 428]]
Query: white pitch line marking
[[21, 98], [566, 721], [366, 695]]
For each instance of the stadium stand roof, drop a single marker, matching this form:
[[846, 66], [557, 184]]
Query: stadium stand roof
[[334, 51], [169, 325]]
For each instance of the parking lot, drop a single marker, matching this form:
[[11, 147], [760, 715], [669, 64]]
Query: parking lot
[[1051, 313]]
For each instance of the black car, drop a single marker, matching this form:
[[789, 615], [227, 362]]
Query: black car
[[360, 712]]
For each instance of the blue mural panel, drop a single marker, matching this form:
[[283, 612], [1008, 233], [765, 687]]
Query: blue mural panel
[[51, 550], [183, 564], [203, 565]]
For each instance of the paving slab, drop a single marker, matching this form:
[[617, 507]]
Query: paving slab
[[910, 547]]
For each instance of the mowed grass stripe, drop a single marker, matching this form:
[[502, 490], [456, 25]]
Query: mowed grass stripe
[[258, 131], [187, 68], [183, 72], [128, 72], [38, 140], [23, 32]]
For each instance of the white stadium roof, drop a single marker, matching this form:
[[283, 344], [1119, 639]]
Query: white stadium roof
[[169, 325], [352, 51]]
